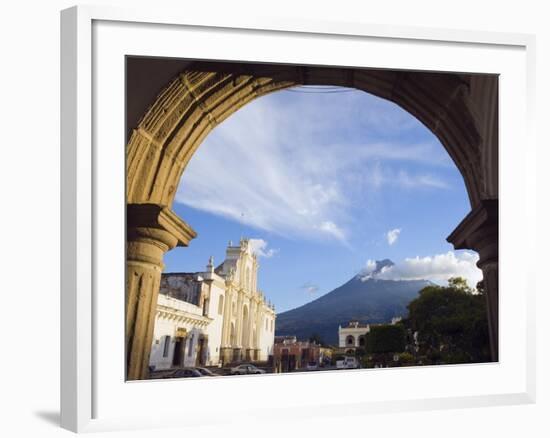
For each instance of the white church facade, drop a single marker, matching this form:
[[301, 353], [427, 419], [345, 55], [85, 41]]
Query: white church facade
[[215, 317]]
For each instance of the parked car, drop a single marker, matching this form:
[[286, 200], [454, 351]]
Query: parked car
[[347, 362], [312, 366], [246, 369], [206, 372], [183, 372]]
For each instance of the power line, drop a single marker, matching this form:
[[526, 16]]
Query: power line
[[319, 89]]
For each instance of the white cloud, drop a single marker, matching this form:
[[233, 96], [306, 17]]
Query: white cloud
[[437, 268], [370, 266], [333, 229], [310, 287], [393, 235], [275, 165], [406, 180], [259, 247], [373, 270]]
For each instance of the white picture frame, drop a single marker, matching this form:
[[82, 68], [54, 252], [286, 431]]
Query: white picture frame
[[90, 401]]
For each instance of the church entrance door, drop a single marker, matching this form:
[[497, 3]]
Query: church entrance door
[[179, 349]]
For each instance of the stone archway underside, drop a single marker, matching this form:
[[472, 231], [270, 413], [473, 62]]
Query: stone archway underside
[[198, 99], [459, 109]]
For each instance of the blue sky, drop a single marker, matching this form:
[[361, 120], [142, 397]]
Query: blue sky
[[325, 182]]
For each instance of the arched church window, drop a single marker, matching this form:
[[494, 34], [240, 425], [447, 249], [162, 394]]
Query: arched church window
[[350, 340]]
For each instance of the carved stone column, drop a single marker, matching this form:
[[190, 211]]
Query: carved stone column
[[251, 322], [239, 326], [479, 231], [226, 351], [152, 230], [226, 325], [259, 321]]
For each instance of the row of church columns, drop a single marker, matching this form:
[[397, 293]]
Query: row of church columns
[[245, 337]]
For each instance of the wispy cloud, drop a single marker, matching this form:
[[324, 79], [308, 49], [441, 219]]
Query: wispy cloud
[[393, 235], [333, 229], [276, 165], [406, 180], [310, 288], [260, 248], [437, 268]]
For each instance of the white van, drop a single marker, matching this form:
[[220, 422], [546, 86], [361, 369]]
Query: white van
[[347, 362]]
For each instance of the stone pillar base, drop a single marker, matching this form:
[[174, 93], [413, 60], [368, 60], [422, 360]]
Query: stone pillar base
[[226, 355], [253, 354], [237, 355]]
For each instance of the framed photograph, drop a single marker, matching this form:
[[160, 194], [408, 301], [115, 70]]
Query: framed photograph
[[291, 218]]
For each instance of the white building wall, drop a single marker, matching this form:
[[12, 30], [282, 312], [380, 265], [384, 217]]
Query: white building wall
[[344, 332], [214, 329], [173, 314], [267, 334], [191, 347], [168, 327], [163, 328]]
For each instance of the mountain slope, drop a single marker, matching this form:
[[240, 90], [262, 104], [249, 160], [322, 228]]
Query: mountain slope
[[364, 298]]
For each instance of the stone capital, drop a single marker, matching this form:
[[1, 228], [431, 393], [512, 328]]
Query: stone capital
[[151, 231], [479, 231], [157, 222]]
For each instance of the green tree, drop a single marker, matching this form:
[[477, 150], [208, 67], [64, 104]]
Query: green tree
[[459, 283], [385, 339], [406, 359], [451, 323]]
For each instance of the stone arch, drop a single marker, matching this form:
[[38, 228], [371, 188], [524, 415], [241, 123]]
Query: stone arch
[[461, 110], [197, 100], [350, 340]]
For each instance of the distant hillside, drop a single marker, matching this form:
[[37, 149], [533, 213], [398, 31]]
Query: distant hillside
[[367, 300]]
